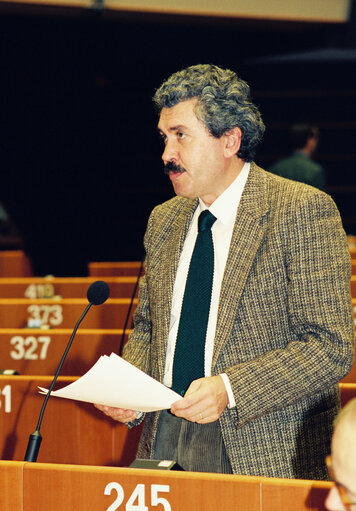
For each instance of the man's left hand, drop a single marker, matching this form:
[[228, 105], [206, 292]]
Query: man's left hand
[[204, 401]]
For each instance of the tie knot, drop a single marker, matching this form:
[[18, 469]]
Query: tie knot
[[205, 220]]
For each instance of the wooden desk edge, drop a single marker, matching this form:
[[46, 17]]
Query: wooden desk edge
[[25, 465]]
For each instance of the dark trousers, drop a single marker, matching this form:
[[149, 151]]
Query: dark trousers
[[195, 447]]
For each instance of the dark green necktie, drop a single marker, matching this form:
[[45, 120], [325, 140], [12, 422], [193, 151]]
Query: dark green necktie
[[188, 364]]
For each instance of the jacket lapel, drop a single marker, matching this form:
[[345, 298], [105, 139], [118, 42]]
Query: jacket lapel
[[246, 239]]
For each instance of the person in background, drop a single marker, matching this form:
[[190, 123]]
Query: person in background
[[342, 462], [245, 306], [300, 166]]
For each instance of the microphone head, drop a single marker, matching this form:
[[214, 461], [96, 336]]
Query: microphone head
[[98, 292]]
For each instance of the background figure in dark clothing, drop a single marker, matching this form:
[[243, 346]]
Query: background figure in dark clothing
[[299, 166]]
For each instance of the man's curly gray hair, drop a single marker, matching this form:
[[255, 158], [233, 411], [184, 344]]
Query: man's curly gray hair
[[223, 102]]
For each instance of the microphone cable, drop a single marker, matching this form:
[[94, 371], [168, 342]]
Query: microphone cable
[[130, 307]]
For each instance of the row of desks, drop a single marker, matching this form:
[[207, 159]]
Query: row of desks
[[36, 351], [77, 434], [73, 432], [37, 316], [75, 287], [60, 312]]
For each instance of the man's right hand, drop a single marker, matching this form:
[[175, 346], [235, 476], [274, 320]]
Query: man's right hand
[[118, 414]]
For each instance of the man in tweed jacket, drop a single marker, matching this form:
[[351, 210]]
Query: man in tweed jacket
[[283, 334]]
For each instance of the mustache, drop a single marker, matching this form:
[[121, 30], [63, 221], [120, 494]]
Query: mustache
[[172, 167]]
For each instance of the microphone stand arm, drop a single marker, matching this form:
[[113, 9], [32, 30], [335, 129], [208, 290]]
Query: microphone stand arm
[[35, 438]]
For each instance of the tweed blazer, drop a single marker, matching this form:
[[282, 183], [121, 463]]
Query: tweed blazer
[[284, 332]]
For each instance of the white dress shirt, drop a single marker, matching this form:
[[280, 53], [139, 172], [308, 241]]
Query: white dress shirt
[[224, 208]]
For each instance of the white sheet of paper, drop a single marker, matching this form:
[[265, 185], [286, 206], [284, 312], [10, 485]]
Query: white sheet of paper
[[113, 381]]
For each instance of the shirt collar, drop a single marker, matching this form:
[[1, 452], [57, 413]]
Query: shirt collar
[[224, 208]]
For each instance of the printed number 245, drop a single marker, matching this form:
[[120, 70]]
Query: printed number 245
[[136, 501]]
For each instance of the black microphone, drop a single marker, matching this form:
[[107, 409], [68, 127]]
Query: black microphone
[[98, 292]]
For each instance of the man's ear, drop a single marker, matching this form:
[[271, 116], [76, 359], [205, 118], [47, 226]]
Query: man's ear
[[232, 141]]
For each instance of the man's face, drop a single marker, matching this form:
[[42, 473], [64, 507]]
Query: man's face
[[199, 156], [343, 459]]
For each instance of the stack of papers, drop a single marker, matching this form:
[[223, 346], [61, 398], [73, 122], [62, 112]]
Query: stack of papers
[[113, 381]]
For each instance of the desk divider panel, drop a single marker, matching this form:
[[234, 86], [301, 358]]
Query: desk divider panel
[[32, 351], [11, 485], [63, 287], [64, 313], [293, 494], [62, 488], [116, 268], [72, 432], [14, 263]]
